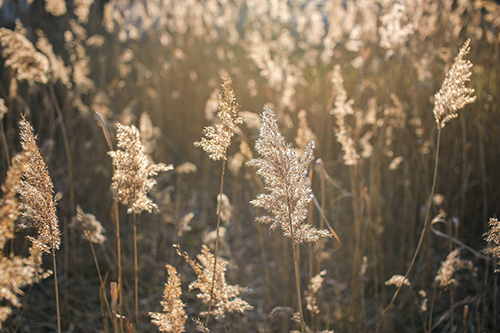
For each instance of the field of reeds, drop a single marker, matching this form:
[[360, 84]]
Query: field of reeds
[[249, 166]]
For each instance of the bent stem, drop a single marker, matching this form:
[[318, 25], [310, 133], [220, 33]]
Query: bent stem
[[219, 209], [421, 240]]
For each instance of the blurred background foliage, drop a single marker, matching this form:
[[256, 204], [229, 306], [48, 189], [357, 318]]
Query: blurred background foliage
[[159, 63]]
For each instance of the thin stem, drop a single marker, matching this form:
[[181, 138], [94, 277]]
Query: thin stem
[[219, 210], [118, 245], [136, 276], [424, 229], [57, 292], [296, 266], [70, 183], [105, 321], [495, 291], [4, 144], [431, 310], [297, 280]]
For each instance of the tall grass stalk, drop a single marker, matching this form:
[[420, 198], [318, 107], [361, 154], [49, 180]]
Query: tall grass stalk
[[136, 276], [422, 234], [117, 225], [119, 254], [57, 291], [219, 209]]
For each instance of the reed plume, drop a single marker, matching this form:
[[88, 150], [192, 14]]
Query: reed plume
[[15, 272], [37, 196], [21, 56], [285, 178], [223, 295], [493, 237], [91, 228], [454, 95], [312, 290], [173, 317], [218, 137], [134, 171], [453, 263], [343, 108]]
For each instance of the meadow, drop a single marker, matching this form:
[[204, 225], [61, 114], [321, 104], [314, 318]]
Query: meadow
[[249, 166]]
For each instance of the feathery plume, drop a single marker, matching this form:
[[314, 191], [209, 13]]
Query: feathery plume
[[285, 178], [82, 8], [312, 290], [149, 133], [56, 7], [453, 263], [493, 236], [304, 133], [225, 298], [57, 69], [218, 138], [88, 224], [183, 224], [186, 167], [9, 205], [343, 107], [200, 327], [173, 317], [3, 108], [454, 95], [15, 272], [226, 210], [134, 171], [37, 194], [25, 61], [398, 281]]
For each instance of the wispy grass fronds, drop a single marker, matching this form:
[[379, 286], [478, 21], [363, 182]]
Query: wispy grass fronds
[[37, 197], [453, 263], [218, 138], [304, 133], [343, 108], [285, 178], [225, 208], [453, 94], [37, 194], [224, 297], [56, 7], [173, 317], [312, 290], [398, 281], [15, 272], [57, 70], [10, 208], [21, 56], [87, 223], [149, 133], [200, 327], [493, 237], [134, 171]]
